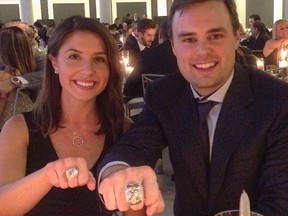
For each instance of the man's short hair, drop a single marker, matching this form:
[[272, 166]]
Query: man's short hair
[[259, 25], [163, 30], [255, 17], [145, 24], [180, 5]]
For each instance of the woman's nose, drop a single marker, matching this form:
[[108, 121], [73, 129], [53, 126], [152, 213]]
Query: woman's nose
[[88, 67]]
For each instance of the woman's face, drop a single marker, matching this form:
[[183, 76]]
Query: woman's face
[[82, 66], [282, 30]]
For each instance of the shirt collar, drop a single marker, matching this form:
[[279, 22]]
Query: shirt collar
[[219, 95], [142, 47]]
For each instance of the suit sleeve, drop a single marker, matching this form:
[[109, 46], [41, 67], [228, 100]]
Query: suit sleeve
[[273, 184]]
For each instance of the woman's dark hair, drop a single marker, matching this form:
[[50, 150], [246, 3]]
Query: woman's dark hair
[[16, 52], [48, 109], [180, 5]]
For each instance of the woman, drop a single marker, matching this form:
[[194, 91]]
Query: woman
[[272, 48], [49, 167], [16, 55]]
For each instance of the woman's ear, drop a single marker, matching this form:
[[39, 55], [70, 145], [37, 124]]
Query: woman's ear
[[53, 62]]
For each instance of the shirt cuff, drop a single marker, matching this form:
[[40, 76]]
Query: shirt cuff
[[108, 165]]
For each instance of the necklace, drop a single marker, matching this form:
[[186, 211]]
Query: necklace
[[78, 141]]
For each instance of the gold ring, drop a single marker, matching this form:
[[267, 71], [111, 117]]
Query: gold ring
[[134, 194], [71, 173]]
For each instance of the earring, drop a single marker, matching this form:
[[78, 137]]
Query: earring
[[55, 72]]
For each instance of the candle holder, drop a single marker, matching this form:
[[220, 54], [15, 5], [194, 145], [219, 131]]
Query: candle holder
[[283, 63], [260, 63]]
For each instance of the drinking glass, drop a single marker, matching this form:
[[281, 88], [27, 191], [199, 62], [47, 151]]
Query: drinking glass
[[235, 213]]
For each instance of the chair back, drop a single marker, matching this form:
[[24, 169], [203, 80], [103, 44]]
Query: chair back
[[148, 78]]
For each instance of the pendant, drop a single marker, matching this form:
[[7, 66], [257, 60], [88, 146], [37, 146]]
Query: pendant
[[78, 141]]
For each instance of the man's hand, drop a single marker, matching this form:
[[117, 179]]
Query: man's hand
[[112, 187]]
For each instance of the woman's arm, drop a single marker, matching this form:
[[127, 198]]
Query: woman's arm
[[20, 193], [273, 44]]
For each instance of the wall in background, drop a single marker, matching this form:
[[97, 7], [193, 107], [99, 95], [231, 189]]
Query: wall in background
[[9, 12], [262, 8], [11, 9]]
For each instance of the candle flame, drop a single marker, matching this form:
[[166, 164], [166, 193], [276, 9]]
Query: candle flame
[[283, 53]]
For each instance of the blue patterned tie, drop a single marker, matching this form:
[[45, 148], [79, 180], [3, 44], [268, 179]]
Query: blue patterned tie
[[203, 111]]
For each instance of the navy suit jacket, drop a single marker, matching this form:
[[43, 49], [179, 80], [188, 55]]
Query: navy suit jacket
[[156, 60], [250, 148], [131, 44]]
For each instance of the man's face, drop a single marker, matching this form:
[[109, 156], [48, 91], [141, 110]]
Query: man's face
[[147, 37], [250, 22], [204, 44], [254, 32]]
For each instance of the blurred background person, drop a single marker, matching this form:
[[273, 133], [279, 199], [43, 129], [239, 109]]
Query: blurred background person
[[16, 55], [42, 30], [260, 36], [156, 60], [272, 48], [146, 32], [32, 79]]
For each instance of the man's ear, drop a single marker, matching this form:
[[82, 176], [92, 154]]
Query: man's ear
[[237, 38], [172, 45]]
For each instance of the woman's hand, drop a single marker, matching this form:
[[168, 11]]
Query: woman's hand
[[56, 171]]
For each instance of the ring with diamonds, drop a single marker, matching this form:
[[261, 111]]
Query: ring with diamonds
[[134, 194], [71, 173]]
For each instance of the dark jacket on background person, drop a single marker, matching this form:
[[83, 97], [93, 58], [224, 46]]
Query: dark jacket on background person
[[156, 60]]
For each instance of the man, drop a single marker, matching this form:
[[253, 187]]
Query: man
[[156, 60], [146, 31], [128, 19], [248, 130], [253, 18], [259, 36], [117, 25]]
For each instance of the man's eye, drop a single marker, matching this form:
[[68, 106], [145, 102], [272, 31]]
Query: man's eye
[[216, 36], [189, 40]]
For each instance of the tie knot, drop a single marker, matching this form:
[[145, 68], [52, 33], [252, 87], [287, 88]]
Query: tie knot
[[204, 109]]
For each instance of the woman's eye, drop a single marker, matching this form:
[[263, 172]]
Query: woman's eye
[[100, 59], [74, 56]]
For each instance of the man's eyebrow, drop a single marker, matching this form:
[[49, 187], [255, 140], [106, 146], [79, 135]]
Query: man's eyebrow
[[220, 29], [186, 34], [213, 30]]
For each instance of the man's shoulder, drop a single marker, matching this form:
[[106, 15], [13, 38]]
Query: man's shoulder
[[169, 83], [265, 84], [264, 36]]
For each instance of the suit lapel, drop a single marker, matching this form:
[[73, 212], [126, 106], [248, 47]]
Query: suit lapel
[[233, 120], [189, 140]]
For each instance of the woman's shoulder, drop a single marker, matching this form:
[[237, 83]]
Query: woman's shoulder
[[16, 127]]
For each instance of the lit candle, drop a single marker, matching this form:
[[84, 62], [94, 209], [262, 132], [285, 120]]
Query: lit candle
[[260, 64], [128, 70], [244, 206], [126, 62], [283, 64], [283, 53]]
